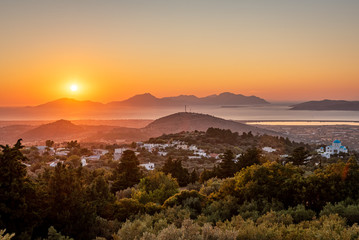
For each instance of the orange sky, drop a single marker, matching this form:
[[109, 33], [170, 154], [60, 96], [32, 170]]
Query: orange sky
[[282, 50]]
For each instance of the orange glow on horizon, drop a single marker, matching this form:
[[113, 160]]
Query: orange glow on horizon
[[242, 47]]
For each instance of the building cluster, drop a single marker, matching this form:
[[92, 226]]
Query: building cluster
[[335, 148], [162, 149]]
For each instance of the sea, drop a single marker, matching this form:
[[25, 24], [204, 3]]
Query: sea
[[274, 114]]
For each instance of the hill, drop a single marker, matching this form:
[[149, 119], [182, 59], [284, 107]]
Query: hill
[[59, 130], [64, 130], [69, 103], [328, 105], [185, 121]]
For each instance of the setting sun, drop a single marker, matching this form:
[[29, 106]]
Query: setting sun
[[73, 87]]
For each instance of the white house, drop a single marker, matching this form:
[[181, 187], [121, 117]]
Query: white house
[[201, 153], [182, 146], [193, 148], [269, 149], [149, 166], [161, 153], [83, 162]]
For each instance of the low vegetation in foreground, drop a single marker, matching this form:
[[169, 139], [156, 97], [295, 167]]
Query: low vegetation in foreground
[[250, 197]]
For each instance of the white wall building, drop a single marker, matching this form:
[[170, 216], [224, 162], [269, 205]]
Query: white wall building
[[335, 148], [149, 166], [269, 149]]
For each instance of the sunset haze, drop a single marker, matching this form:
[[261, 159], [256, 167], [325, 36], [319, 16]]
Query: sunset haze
[[112, 50]]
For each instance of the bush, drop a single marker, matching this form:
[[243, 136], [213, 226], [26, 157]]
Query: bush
[[299, 213], [349, 212], [127, 207], [192, 200], [157, 187]]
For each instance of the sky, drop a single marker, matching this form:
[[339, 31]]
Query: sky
[[285, 50]]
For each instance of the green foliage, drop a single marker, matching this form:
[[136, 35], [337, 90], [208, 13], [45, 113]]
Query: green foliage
[[348, 211], [268, 181], [221, 135], [268, 201], [192, 200], [299, 213], [211, 186], [127, 173], [69, 210], [270, 226], [298, 156], [16, 192], [194, 176], [177, 171], [99, 195], [227, 167], [156, 188], [250, 157], [334, 183], [127, 207], [74, 160], [54, 235], [207, 174], [221, 210]]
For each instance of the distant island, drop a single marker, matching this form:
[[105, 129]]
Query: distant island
[[328, 105], [225, 98]]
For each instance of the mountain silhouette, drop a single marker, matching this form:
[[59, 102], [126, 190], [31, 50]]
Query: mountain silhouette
[[328, 105]]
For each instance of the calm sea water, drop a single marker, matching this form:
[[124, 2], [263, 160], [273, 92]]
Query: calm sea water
[[260, 113], [273, 112]]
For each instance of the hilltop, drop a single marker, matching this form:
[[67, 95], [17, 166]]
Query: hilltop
[[59, 130], [63, 130], [328, 105], [184, 121]]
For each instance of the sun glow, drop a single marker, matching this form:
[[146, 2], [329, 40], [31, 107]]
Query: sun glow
[[74, 88]]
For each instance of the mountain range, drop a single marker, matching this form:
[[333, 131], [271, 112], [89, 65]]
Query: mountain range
[[74, 109], [225, 98], [64, 130], [328, 105]]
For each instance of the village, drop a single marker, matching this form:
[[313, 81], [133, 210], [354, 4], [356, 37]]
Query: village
[[150, 153]]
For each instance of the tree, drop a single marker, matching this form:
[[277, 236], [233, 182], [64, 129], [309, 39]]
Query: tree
[[72, 144], [49, 143], [267, 182], [298, 156], [156, 187], [100, 196], [250, 157], [127, 173], [15, 188], [54, 235], [69, 211], [74, 160], [177, 171], [227, 167], [194, 177]]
